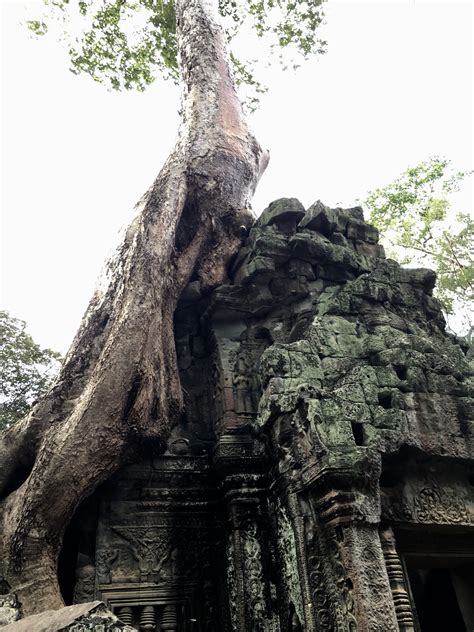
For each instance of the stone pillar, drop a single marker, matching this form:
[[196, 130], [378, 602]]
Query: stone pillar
[[360, 553], [249, 592], [304, 562], [396, 577], [345, 541]]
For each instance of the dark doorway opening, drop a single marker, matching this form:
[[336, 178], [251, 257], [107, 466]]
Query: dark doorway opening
[[442, 592], [78, 546]]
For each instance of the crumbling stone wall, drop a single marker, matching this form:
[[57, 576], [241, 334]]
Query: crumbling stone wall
[[365, 398]]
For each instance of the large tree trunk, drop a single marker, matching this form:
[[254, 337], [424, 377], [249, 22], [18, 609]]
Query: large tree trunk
[[118, 391]]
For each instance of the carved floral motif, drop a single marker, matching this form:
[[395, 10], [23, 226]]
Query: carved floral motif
[[331, 587], [231, 584], [428, 502], [256, 606], [437, 504]]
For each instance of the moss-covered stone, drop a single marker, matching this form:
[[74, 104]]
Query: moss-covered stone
[[282, 211]]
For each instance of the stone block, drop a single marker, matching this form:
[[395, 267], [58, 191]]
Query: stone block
[[323, 219], [9, 609], [348, 394], [283, 210], [333, 272], [310, 246], [420, 277], [386, 376], [231, 300], [257, 267], [298, 267], [356, 212], [357, 412], [334, 301], [288, 291], [369, 250], [92, 616], [268, 242], [338, 239], [358, 230], [340, 325]]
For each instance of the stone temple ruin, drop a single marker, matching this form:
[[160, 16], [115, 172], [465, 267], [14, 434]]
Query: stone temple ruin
[[322, 478]]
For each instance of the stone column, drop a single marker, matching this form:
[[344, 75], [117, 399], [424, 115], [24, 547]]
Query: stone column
[[250, 610], [396, 577], [361, 555], [304, 561], [345, 507]]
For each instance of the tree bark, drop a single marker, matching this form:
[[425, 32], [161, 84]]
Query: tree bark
[[118, 390]]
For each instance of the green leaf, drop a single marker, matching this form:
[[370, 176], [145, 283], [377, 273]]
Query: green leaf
[[125, 44], [38, 28], [414, 218]]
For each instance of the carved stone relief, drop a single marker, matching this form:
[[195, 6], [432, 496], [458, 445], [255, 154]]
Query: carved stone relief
[[232, 588], [84, 590], [288, 558], [429, 501], [331, 587], [439, 504], [105, 559], [253, 569], [150, 547]]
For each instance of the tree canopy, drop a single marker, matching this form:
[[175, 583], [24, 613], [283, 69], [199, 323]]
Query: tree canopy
[[125, 44], [26, 370], [415, 216]]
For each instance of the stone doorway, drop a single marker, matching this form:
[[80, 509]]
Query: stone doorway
[[439, 572]]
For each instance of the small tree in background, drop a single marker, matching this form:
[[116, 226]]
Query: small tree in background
[[420, 228], [26, 370]]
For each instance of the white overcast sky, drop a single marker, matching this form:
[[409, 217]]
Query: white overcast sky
[[394, 88]]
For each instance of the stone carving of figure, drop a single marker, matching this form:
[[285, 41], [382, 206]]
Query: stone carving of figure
[[104, 560], [85, 584], [127, 567]]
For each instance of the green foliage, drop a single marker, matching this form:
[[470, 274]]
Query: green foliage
[[38, 28], [414, 215], [113, 52], [126, 43], [26, 370]]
